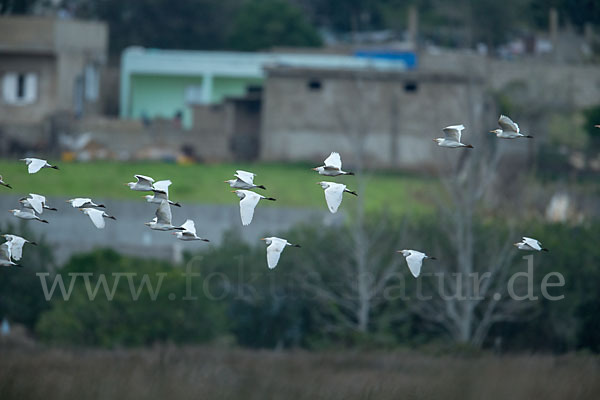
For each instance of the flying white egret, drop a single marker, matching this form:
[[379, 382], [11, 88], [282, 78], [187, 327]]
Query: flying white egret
[[16, 244], [161, 192], [451, 137], [334, 193], [162, 221], [35, 164], [84, 202], [97, 216], [275, 246], [414, 259], [248, 202], [36, 202], [508, 129], [143, 184], [244, 180], [4, 183], [333, 166], [189, 232], [27, 214], [530, 244], [5, 256]]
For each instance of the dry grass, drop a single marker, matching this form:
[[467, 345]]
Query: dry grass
[[213, 373]]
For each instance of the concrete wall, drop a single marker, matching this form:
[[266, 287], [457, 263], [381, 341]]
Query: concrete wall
[[576, 84], [69, 231], [395, 114], [58, 50], [44, 65]]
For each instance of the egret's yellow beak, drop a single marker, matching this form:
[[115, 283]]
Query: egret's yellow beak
[[263, 239]]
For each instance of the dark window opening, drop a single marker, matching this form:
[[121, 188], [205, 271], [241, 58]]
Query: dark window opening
[[20, 86], [411, 87], [314, 84], [250, 89]]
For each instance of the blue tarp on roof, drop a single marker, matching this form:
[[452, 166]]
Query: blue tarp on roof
[[409, 58]]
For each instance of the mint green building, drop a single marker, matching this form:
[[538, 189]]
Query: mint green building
[[161, 83]]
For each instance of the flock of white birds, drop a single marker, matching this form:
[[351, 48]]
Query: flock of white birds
[[34, 205]]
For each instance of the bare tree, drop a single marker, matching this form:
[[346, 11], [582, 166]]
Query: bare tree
[[362, 277], [470, 292]]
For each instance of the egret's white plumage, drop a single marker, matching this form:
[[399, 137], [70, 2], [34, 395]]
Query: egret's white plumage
[[189, 232], [27, 214], [84, 202], [36, 202], [4, 183], [334, 193], [248, 202], [162, 221], [35, 164], [414, 259], [530, 244], [452, 136], [143, 183], [332, 166], [244, 180], [161, 192], [508, 129], [5, 256], [16, 244], [97, 216], [275, 246]]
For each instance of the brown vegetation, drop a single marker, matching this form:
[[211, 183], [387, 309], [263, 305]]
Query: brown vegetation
[[207, 373]]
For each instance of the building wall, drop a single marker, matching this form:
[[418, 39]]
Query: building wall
[[231, 87], [163, 95], [44, 66], [59, 51], [382, 116]]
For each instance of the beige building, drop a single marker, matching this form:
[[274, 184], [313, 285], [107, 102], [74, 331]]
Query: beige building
[[49, 65], [387, 118]]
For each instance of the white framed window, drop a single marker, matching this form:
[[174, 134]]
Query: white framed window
[[19, 88]]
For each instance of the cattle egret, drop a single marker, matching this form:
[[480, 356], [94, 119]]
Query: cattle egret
[[84, 202], [334, 193], [509, 129], [451, 137], [275, 246], [414, 259], [161, 192], [5, 256], [244, 180], [143, 184], [4, 183], [97, 216], [333, 166], [35, 164], [16, 244], [27, 214], [248, 202], [36, 202], [530, 244], [162, 221], [189, 232]]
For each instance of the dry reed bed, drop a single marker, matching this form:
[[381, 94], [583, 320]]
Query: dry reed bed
[[215, 373]]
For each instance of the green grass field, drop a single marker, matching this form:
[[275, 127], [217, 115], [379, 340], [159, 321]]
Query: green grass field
[[293, 185]]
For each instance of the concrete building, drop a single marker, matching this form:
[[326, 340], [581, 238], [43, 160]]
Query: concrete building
[[166, 83], [50, 65], [387, 118]]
